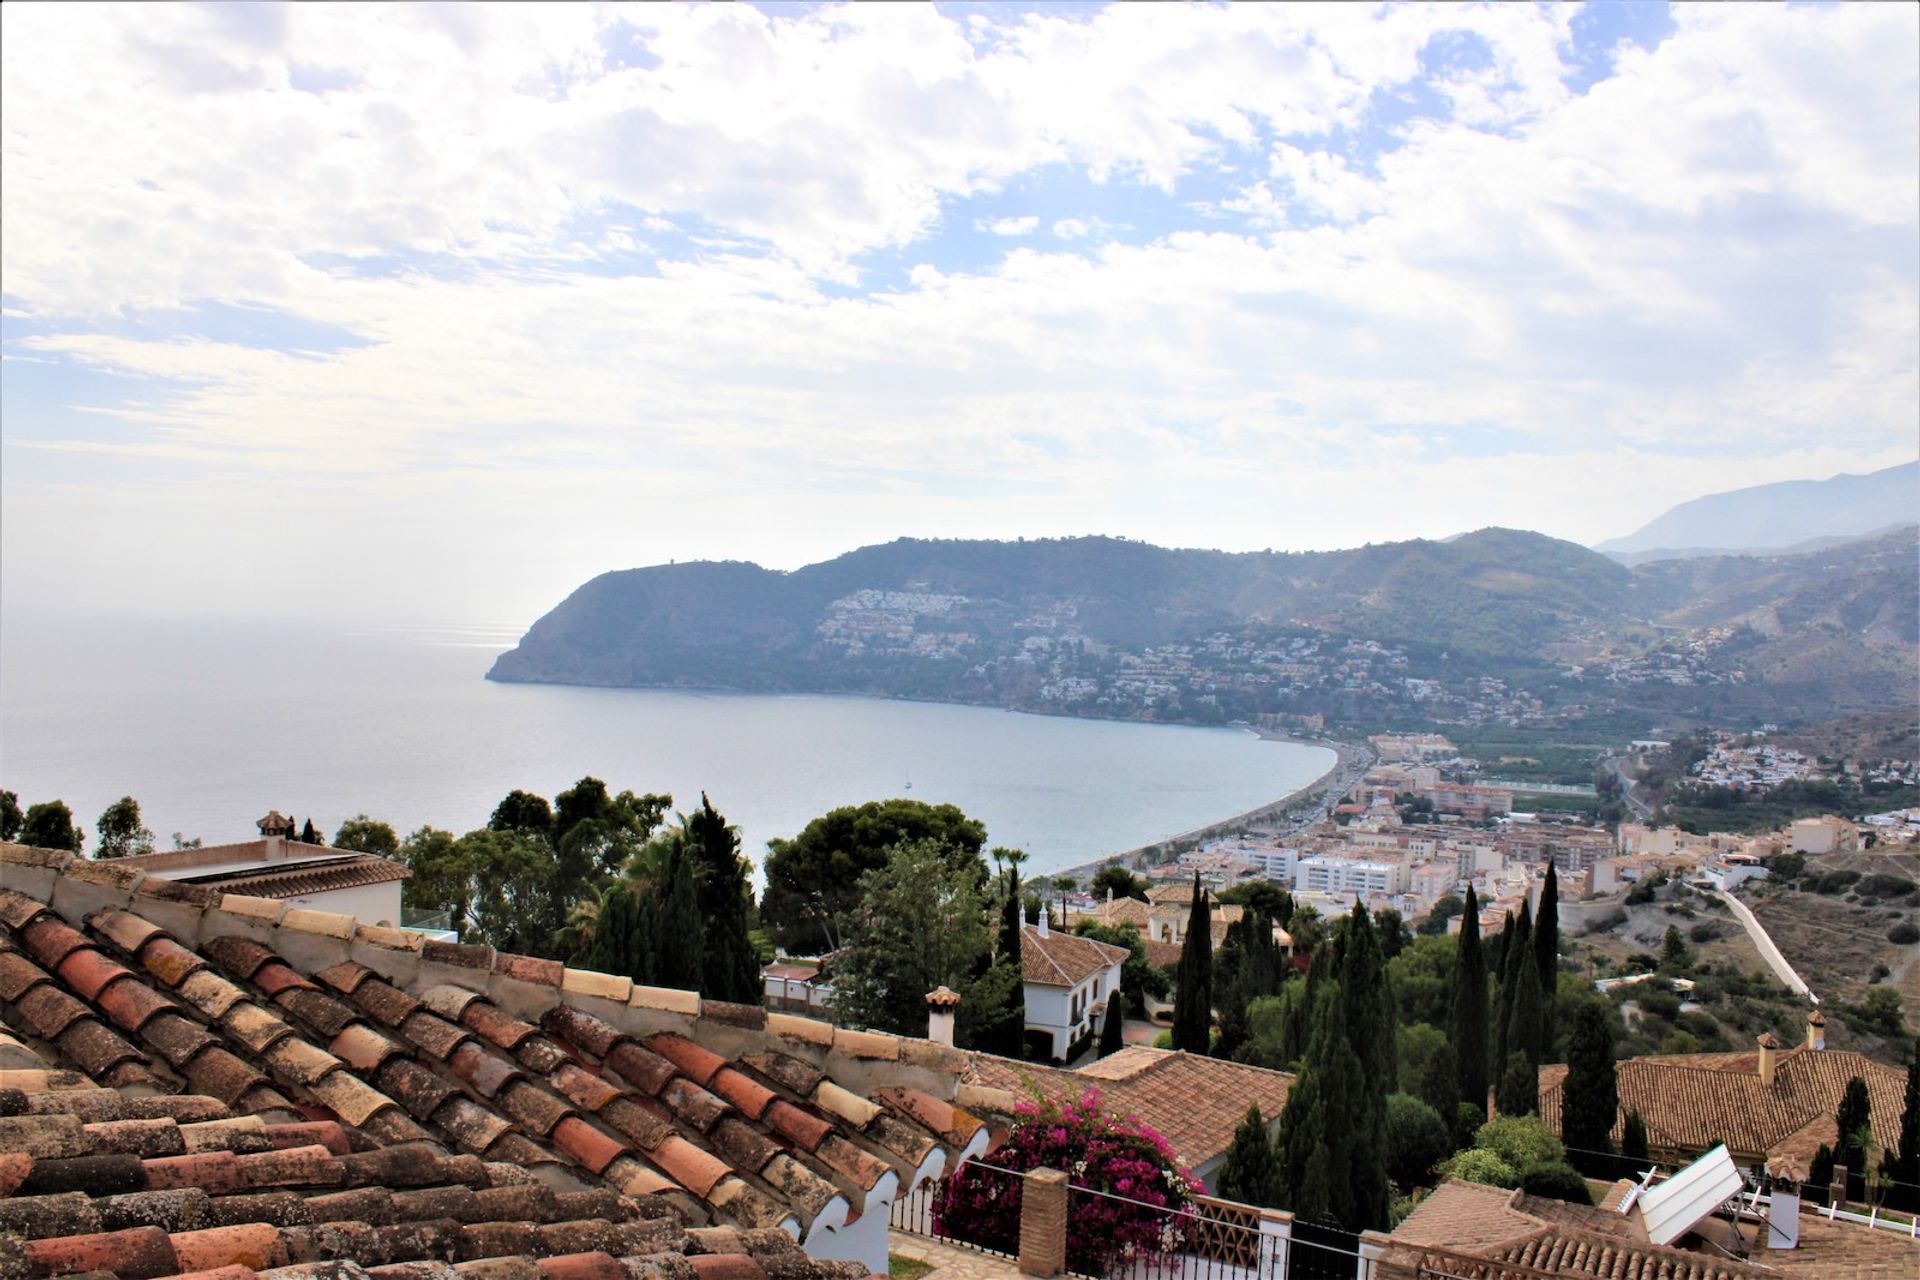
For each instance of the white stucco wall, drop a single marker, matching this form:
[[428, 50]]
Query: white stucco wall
[[367, 903]]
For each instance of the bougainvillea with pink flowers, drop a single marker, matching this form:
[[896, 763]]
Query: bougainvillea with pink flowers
[[1143, 1216]]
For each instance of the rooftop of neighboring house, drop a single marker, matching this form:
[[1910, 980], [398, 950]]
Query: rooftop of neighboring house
[[1492, 1233], [1056, 959], [1695, 1101], [1194, 1102], [192, 1078], [272, 867]]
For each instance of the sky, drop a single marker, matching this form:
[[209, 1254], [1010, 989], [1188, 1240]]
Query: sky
[[433, 312]]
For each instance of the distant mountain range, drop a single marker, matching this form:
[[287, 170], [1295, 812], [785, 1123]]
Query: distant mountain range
[[1497, 624], [1797, 515]]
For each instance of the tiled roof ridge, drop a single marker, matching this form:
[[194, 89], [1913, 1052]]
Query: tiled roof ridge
[[1057, 948], [76, 887], [799, 1125]]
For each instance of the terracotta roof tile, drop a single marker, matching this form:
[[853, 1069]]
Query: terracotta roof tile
[[363, 1048], [15, 1168], [1063, 959], [18, 975], [219, 1074], [326, 1015], [486, 1072], [210, 993], [471, 1125], [585, 1143], [567, 1023], [143, 1138], [699, 1064], [582, 1266], [533, 1108], [65, 1213], [1195, 1102], [138, 1253], [736, 1139], [434, 1034], [499, 1029], [255, 1245], [184, 1209], [49, 940], [384, 1001], [414, 1087], [640, 1067], [176, 1038], [96, 1047], [95, 1175], [49, 1010], [585, 1089], [241, 957]]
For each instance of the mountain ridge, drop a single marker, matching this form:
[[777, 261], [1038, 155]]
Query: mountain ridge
[[1109, 626], [1775, 517]]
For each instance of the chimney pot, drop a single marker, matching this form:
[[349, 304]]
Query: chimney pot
[[941, 1002]]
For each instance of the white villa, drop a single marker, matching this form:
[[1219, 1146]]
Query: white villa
[[1066, 981]]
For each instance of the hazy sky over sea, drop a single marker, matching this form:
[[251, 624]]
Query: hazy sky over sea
[[434, 312]]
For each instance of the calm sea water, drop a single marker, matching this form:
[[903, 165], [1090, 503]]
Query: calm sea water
[[209, 725]]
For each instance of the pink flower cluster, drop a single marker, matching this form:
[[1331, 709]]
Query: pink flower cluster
[[1144, 1214]]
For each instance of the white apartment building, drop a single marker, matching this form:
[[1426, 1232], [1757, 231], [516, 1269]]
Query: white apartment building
[[1350, 877]]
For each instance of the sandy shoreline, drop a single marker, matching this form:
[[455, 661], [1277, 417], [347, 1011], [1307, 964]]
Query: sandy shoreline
[[1350, 760]]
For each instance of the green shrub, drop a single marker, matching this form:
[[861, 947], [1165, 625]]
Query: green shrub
[[1882, 885], [1904, 934], [1476, 1164], [1519, 1141], [1556, 1180], [1416, 1140]]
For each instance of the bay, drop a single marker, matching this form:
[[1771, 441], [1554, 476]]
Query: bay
[[210, 724]]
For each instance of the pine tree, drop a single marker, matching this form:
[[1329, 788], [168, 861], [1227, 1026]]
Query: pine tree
[[1590, 1099], [623, 938], [1904, 1167], [679, 942], [1467, 1016], [1246, 1175], [729, 969], [1112, 1039], [1633, 1145], [1546, 952], [1193, 997]]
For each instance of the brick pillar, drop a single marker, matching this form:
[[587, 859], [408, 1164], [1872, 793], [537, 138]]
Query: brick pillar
[[1836, 1192], [1043, 1223]]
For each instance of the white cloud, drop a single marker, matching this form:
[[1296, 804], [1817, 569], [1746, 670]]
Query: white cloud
[[1021, 226], [1544, 308]]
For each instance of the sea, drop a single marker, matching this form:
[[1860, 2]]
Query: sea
[[211, 724]]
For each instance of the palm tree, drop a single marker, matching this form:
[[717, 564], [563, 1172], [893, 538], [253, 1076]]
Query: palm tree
[[583, 921]]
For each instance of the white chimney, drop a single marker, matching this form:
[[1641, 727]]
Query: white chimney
[[941, 1002], [1816, 1030], [1046, 910]]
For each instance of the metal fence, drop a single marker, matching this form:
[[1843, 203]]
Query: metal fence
[[914, 1213]]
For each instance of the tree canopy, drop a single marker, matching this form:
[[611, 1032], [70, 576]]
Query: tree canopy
[[812, 879], [50, 825], [122, 834]]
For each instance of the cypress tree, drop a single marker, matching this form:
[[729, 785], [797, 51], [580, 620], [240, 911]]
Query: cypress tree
[[1904, 1168], [1229, 984], [623, 939], [1331, 1159], [1111, 1037], [1519, 1092], [679, 942], [1633, 1145], [1246, 1175], [1853, 1120], [1008, 942], [1517, 955], [1193, 997], [1590, 1098], [1467, 1015], [1546, 953], [729, 969]]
